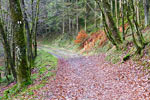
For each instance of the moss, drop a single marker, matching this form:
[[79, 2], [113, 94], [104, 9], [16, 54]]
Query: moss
[[23, 72], [125, 58], [7, 93]]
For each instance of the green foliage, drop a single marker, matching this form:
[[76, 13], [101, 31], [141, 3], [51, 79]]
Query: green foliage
[[44, 59], [125, 58], [4, 80], [34, 76], [146, 36], [48, 75], [105, 48], [114, 55], [2, 68], [11, 91]]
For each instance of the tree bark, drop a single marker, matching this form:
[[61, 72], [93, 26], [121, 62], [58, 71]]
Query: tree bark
[[122, 11], [110, 22], [116, 10], [133, 36], [35, 31], [28, 34], [95, 15], [63, 25], [23, 71], [146, 11], [139, 34], [7, 50], [77, 18]]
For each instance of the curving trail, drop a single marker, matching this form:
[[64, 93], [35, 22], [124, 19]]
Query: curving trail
[[92, 78]]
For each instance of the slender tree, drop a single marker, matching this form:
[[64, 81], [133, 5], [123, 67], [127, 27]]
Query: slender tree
[[28, 34], [122, 12], [110, 22], [146, 11], [7, 49], [77, 18], [36, 26]]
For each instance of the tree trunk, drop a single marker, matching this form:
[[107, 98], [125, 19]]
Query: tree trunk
[[107, 30], [77, 18], [146, 11], [7, 50], [36, 23], [69, 25], [116, 10], [28, 34], [63, 18], [85, 20], [122, 11], [95, 15], [132, 30], [23, 71], [110, 22], [138, 11], [139, 34]]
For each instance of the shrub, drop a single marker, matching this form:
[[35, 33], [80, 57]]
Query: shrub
[[91, 42], [81, 38]]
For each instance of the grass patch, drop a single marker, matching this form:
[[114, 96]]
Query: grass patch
[[114, 55], [44, 64], [3, 80]]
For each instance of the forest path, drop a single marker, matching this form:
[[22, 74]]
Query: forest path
[[59, 52], [92, 78]]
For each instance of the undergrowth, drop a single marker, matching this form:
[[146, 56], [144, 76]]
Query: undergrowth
[[59, 41], [95, 43], [44, 68]]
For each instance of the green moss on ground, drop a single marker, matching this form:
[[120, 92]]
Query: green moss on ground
[[43, 69]]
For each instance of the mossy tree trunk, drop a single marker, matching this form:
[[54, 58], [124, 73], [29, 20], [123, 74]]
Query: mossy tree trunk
[[36, 26], [23, 75], [63, 24], [109, 23], [32, 11], [134, 22], [139, 34], [7, 49], [28, 34], [146, 11], [85, 19], [116, 11], [107, 30], [123, 12], [133, 36], [77, 18]]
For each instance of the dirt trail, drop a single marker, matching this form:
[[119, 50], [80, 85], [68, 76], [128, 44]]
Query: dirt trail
[[92, 78], [59, 53]]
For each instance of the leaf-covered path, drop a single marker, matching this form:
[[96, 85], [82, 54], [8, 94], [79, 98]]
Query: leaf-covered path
[[92, 78]]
